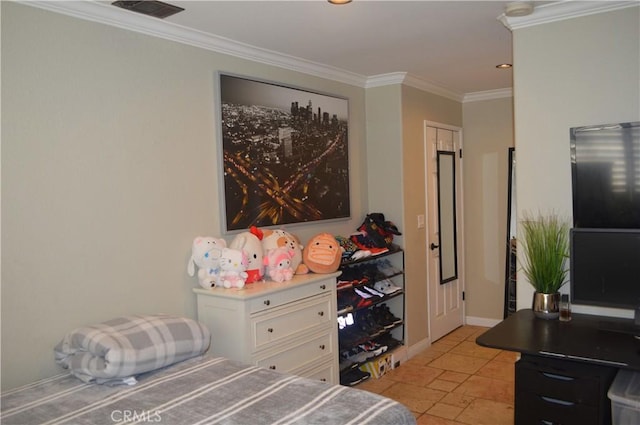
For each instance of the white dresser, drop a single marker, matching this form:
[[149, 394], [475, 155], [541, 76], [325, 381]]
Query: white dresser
[[285, 326]]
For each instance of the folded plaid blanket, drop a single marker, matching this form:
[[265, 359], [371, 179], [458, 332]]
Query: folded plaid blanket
[[115, 351]]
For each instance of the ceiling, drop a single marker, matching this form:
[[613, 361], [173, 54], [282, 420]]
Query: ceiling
[[453, 46]]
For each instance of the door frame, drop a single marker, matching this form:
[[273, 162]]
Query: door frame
[[459, 215]]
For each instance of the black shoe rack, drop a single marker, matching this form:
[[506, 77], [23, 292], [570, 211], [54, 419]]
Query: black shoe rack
[[370, 311]]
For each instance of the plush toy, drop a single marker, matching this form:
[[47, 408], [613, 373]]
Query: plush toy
[[205, 253], [278, 262], [282, 239], [251, 243], [233, 266], [322, 254]]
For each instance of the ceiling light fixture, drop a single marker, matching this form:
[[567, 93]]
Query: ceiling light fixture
[[339, 1], [504, 66], [518, 8]]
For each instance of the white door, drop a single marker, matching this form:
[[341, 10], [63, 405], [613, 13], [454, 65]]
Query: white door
[[446, 307]]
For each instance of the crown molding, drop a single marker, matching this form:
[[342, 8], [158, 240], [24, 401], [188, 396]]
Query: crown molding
[[412, 81], [488, 95], [112, 16], [420, 84], [385, 79], [106, 14], [563, 10]]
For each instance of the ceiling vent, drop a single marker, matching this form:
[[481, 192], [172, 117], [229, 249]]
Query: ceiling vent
[[157, 9]]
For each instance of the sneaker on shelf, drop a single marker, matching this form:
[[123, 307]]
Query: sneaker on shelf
[[353, 377], [363, 294], [369, 317], [389, 341], [358, 356], [384, 317], [345, 299], [386, 287], [387, 268], [372, 291], [370, 327], [349, 337], [346, 365], [388, 316], [372, 349], [362, 299]]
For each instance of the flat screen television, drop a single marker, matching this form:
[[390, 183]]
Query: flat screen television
[[605, 267], [605, 174]]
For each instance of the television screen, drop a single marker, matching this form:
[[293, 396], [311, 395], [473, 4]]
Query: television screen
[[605, 171], [605, 267]]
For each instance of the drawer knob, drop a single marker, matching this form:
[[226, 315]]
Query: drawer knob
[[323, 287], [267, 302], [272, 367], [322, 346], [324, 379], [321, 313], [270, 330]]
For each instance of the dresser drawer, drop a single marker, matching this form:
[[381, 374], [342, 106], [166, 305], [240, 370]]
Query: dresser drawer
[[291, 294], [298, 355], [326, 372], [278, 324]]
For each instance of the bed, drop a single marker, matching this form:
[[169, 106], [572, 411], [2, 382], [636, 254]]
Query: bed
[[199, 390]]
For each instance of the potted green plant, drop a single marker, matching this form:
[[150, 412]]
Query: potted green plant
[[545, 245]]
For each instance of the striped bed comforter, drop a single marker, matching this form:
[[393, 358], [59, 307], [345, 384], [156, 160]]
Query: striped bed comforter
[[202, 390]]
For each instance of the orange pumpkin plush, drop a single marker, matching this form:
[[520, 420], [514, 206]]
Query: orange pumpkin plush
[[322, 254]]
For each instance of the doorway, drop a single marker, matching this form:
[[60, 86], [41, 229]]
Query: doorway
[[443, 147]]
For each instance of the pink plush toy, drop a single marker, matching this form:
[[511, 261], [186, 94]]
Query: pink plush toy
[[278, 262], [233, 266], [282, 239]]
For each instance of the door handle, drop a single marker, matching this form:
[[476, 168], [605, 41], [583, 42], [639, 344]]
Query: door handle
[[433, 246]]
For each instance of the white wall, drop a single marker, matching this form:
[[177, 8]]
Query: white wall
[[109, 170], [488, 135], [569, 73]]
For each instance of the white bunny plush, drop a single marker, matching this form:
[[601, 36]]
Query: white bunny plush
[[205, 253]]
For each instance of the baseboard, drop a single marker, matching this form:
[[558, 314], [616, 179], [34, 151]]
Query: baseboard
[[419, 347], [482, 321], [469, 320]]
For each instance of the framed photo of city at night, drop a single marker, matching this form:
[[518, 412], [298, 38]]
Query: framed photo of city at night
[[285, 156]]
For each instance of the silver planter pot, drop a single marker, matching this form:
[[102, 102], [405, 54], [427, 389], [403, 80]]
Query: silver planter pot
[[546, 306]]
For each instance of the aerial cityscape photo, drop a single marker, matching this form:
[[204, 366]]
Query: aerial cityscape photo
[[285, 154]]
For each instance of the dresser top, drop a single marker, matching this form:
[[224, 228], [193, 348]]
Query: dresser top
[[261, 288]]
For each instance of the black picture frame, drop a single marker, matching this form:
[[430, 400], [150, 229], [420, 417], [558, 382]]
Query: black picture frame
[[284, 154]]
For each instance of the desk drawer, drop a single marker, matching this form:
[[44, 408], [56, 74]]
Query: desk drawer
[[535, 409], [562, 385], [279, 324], [299, 355]]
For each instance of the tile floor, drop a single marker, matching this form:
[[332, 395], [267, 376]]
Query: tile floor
[[454, 382]]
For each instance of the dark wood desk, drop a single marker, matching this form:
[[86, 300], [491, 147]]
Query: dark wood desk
[[566, 368]]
